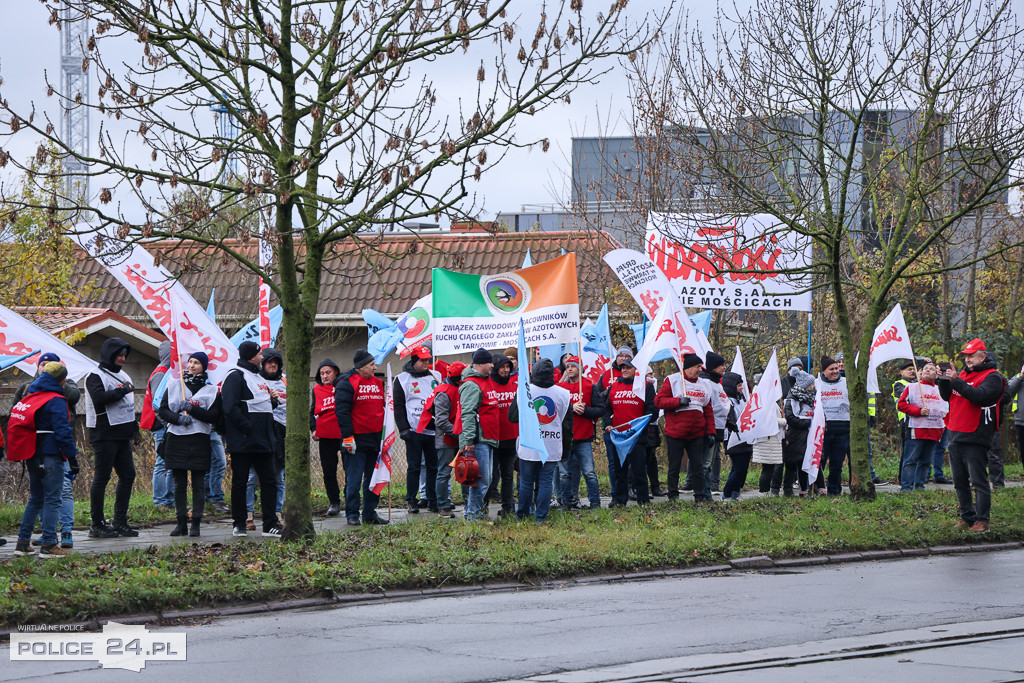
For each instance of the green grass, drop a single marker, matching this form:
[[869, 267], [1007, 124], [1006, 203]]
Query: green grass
[[432, 552]]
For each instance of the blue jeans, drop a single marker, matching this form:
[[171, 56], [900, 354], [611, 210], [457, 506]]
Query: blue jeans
[[43, 501], [939, 455], [581, 461], [916, 456], [835, 446], [218, 466], [442, 484], [67, 502], [542, 474], [737, 476], [475, 502], [358, 472], [163, 480], [250, 490]]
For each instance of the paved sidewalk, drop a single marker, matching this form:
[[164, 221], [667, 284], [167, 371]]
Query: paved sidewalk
[[218, 529]]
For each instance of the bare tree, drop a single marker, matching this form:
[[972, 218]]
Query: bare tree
[[347, 117], [874, 130]]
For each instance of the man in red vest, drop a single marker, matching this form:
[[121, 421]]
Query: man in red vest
[[586, 406], [326, 431], [973, 398], [478, 427], [49, 437], [623, 406], [359, 406], [503, 389]]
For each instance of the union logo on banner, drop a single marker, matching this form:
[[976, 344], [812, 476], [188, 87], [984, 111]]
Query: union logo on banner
[[505, 294]]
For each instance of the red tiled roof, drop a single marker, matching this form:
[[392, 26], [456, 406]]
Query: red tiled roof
[[387, 273], [65, 321]]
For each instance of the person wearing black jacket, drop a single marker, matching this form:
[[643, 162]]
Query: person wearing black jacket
[[110, 417], [412, 388], [359, 408], [738, 451], [621, 407], [189, 420], [272, 370], [54, 444], [973, 398], [798, 408], [249, 436]]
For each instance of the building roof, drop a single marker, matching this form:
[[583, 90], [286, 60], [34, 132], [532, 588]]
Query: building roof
[[384, 272], [62, 322]]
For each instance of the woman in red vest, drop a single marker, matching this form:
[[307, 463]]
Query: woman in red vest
[[326, 431]]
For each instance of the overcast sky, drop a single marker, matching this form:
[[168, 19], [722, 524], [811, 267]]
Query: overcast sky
[[29, 46]]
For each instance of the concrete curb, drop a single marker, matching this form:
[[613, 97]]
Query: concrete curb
[[336, 600]]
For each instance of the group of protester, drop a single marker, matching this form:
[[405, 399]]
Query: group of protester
[[455, 413]]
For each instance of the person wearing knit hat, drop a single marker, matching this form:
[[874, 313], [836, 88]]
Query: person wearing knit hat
[[512, 353], [411, 388], [110, 417], [250, 436], [504, 459], [359, 406], [44, 446], [623, 351], [835, 401], [714, 370], [579, 461], [189, 418], [440, 412], [480, 427], [686, 398], [624, 354], [623, 406], [798, 408], [793, 366]]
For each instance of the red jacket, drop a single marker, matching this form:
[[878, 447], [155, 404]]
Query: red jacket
[[684, 424], [906, 407]]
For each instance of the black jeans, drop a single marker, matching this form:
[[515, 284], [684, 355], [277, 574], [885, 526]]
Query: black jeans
[[503, 468], [695, 451], [737, 476], [181, 493], [967, 462], [329, 464], [633, 472], [263, 463], [792, 472], [417, 448], [652, 468], [767, 481], [110, 456], [995, 460]]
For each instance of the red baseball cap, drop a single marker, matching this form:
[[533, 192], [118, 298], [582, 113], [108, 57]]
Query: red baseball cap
[[573, 359], [456, 368], [421, 352], [973, 346]]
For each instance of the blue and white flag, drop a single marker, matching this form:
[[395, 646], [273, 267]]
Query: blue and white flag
[[626, 439], [640, 333], [8, 361], [529, 423], [251, 332], [601, 343], [384, 334], [527, 261], [702, 321], [211, 310]]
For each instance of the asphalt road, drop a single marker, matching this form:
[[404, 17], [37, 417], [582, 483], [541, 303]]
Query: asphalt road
[[501, 636]]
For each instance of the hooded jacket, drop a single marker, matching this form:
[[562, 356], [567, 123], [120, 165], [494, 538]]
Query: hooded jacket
[[322, 421], [103, 396], [478, 419], [53, 417], [503, 391], [411, 389], [730, 384], [163, 365], [973, 398], [247, 430], [543, 377], [276, 381]]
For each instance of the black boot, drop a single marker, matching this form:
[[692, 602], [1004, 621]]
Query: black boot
[[194, 531], [182, 527]]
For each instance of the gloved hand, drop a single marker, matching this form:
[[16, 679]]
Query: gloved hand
[[709, 442], [470, 451], [731, 425], [184, 419], [406, 434], [349, 444], [126, 388], [73, 468], [684, 402], [176, 405]]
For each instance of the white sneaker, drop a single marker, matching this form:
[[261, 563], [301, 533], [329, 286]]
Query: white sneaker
[[239, 531]]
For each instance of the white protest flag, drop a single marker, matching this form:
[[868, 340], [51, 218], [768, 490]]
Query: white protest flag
[[641, 277], [186, 338], [416, 326], [151, 285], [382, 470], [737, 367], [266, 256], [889, 342], [663, 334], [759, 418], [19, 337], [815, 441]]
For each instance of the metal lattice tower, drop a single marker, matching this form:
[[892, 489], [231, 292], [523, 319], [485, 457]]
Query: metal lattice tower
[[227, 129], [74, 86]]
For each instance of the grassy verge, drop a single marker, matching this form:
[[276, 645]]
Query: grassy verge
[[433, 552]]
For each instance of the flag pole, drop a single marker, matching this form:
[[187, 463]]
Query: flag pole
[[579, 357]]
